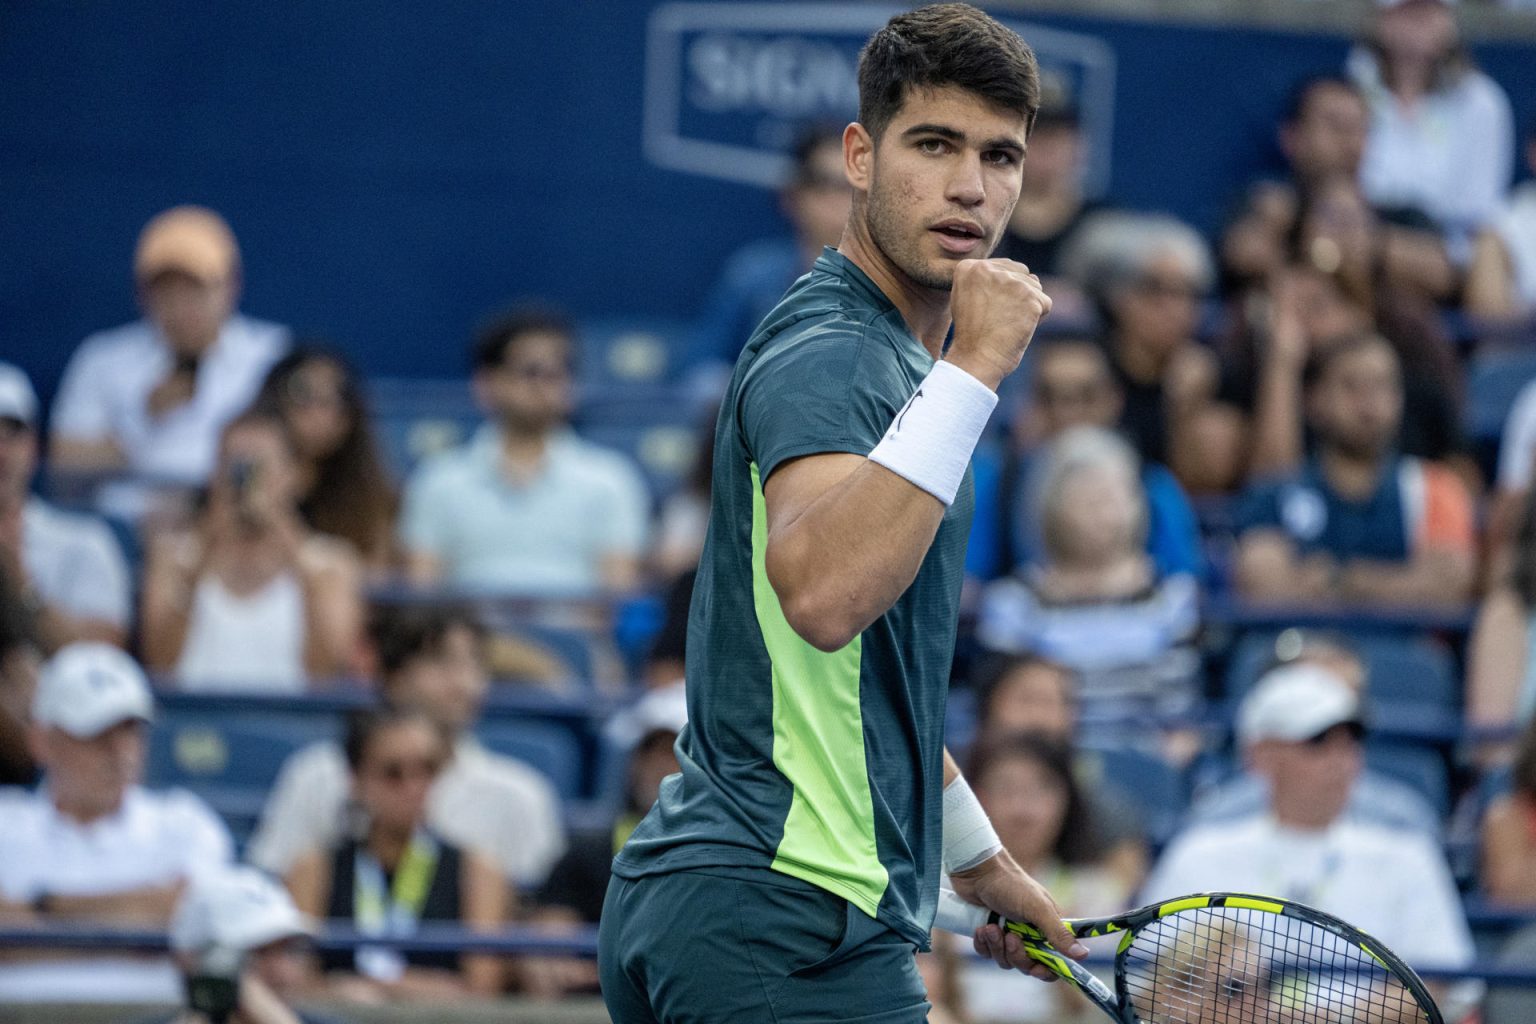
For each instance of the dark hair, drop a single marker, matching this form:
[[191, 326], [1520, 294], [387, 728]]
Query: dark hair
[[945, 44], [529, 318], [1303, 91], [1522, 575], [352, 497], [367, 723], [403, 633], [1523, 771], [1324, 355], [1079, 840], [808, 141], [993, 672]]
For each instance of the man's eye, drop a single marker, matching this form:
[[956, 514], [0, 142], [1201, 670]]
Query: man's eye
[[1001, 157], [932, 147]]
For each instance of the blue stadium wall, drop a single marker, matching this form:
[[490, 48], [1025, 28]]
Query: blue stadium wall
[[395, 171]]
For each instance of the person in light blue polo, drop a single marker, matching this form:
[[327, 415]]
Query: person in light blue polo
[[526, 504]]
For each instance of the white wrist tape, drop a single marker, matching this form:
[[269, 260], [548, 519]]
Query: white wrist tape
[[969, 837], [930, 441]]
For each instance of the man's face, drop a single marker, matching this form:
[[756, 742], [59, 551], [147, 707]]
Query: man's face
[[818, 203], [1310, 780], [189, 311], [1357, 404], [448, 683], [18, 457], [530, 391], [1328, 139], [1072, 387], [92, 775], [940, 183], [1160, 308]]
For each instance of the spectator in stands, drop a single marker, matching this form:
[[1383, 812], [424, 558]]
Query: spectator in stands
[[241, 945], [1508, 871], [816, 201], [342, 486], [1323, 662], [1073, 386], [90, 846], [1359, 524], [1441, 135], [1026, 785], [1501, 282], [684, 516], [1501, 674], [1147, 275], [574, 892], [1302, 734], [68, 569], [1323, 137], [251, 599], [20, 657], [432, 660], [396, 873], [1096, 580], [153, 396], [1051, 203], [526, 505]]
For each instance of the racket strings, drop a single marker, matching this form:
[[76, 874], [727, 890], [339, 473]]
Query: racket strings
[[1228, 965]]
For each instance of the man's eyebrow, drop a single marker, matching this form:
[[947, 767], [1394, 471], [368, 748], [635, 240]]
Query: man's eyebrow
[[1009, 142]]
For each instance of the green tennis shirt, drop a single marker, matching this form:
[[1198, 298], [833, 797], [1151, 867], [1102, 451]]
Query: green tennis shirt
[[826, 767]]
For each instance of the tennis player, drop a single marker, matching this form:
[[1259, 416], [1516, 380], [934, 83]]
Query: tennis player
[[792, 867]]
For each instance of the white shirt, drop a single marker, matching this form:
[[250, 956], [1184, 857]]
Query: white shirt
[[1451, 155], [106, 386], [1517, 450], [1516, 227], [547, 534], [154, 839], [1390, 883], [75, 563], [245, 643], [484, 802]]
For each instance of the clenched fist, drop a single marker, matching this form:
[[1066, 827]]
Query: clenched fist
[[996, 305]]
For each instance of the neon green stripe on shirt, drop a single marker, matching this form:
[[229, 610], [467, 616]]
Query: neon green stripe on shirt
[[818, 745]]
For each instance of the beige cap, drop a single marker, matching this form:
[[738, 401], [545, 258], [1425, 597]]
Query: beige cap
[[190, 239]]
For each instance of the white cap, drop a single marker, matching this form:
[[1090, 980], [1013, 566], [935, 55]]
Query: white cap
[[664, 709], [17, 399], [234, 907], [85, 689], [1295, 703]]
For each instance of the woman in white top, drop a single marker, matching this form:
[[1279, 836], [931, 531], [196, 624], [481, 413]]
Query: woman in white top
[[250, 599], [1501, 283]]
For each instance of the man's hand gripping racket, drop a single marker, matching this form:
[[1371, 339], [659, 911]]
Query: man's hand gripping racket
[[1226, 958]]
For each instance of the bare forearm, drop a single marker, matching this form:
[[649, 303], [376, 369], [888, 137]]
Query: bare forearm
[[848, 556], [83, 455], [149, 905], [1277, 443], [1436, 578], [333, 620], [167, 616]]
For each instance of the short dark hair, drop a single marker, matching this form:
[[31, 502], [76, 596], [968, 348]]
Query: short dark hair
[[1330, 351], [500, 333], [997, 669], [808, 141], [1303, 91], [945, 44], [366, 723], [403, 633]]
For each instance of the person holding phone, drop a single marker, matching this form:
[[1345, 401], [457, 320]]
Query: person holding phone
[[251, 599]]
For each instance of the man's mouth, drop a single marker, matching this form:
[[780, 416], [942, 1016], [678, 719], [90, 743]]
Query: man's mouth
[[960, 237]]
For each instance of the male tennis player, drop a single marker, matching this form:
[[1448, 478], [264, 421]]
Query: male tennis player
[[791, 868]]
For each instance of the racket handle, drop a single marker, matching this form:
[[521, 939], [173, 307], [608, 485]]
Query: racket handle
[[958, 916]]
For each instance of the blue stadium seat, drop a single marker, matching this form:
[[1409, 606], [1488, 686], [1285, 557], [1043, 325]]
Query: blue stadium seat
[[1495, 378], [659, 428], [549, 748], [633, 350], [1422, 768], [415, 419], [1154, 788], [1400, 669]]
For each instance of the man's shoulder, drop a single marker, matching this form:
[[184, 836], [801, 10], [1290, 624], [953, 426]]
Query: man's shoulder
[[591, 461], [59, 527], [450, 467], [501, 775], [260, 339], [321, 760], [125, 342], [22, 810], [1214, 840], [173, 807]]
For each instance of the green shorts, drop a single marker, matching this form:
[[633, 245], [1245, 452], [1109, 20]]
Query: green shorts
[[748, 945]]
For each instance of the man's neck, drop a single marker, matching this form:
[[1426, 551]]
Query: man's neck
[[82, 814], [926, 310], [1350, 476], [522, 450]]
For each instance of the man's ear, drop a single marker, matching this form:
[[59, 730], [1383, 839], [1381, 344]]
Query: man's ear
[[858, 156]]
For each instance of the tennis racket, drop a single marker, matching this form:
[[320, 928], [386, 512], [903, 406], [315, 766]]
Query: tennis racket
[[1228, 958]]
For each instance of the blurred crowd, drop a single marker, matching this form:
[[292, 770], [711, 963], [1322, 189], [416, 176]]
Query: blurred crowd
[[1273, 420]]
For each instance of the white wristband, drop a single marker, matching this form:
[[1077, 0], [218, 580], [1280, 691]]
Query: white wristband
[[969, 837], [930, 441]]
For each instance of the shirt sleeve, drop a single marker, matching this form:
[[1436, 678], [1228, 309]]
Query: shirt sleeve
[[82, 409], [95, 583], [423, 528], [626, 523], [202, 840], [813, 394], [1174, 536], [1518, 449], [1447, 523], [1259, 509], [1175, 873], [301, 811]]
